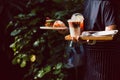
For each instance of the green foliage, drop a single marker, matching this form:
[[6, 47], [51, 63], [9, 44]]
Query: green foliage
[[42, 51]]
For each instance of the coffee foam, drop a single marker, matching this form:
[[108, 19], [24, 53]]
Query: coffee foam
[[77, 17], [74, 20]]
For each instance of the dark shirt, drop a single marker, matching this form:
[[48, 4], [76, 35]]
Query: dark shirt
[[99, 14]]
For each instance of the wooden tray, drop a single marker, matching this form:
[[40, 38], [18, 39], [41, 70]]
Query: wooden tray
[[96, 35], [97, 38], [53, 28]]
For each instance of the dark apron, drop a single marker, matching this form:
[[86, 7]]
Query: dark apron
[[102, 61]]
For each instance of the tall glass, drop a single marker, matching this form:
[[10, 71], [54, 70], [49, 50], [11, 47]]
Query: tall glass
[[74, 28], [76, 24]]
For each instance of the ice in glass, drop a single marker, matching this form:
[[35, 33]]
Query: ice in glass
[[76, 24]]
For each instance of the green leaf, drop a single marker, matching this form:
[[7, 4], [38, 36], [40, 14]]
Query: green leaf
[[9, 24], [23, 64], [12, 45], [14, 61], [18, 60], [59, 66], [56, 71], [21, 15], [44, 71], [36, 43], [31, 14], [15, 32], [40, 73], [47, 69]]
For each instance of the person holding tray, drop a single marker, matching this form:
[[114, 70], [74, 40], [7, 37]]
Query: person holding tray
[[102, 58]]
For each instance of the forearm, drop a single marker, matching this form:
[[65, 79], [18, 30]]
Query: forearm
[[110, 27]]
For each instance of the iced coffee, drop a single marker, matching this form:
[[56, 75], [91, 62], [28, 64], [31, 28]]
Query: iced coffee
[[75, 26]]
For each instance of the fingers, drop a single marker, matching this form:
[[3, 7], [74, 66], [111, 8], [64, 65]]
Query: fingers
[[76, 39]]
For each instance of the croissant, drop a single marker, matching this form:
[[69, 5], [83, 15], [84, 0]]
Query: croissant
[[59, 23]]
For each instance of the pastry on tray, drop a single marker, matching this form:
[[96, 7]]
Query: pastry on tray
[[49, 22], [59, 23], [54, 25]]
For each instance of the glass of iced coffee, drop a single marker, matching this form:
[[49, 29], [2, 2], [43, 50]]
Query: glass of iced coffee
[[76, 24]]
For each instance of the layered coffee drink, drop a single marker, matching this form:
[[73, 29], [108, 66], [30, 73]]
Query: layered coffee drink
[[76, 24], [74, 28]]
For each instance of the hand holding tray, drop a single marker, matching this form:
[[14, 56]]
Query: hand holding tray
[[95, 35]]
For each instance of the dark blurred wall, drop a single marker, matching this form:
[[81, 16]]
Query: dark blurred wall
[[7, 11]]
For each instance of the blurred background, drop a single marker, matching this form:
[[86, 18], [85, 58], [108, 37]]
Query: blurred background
[[26, 52]]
